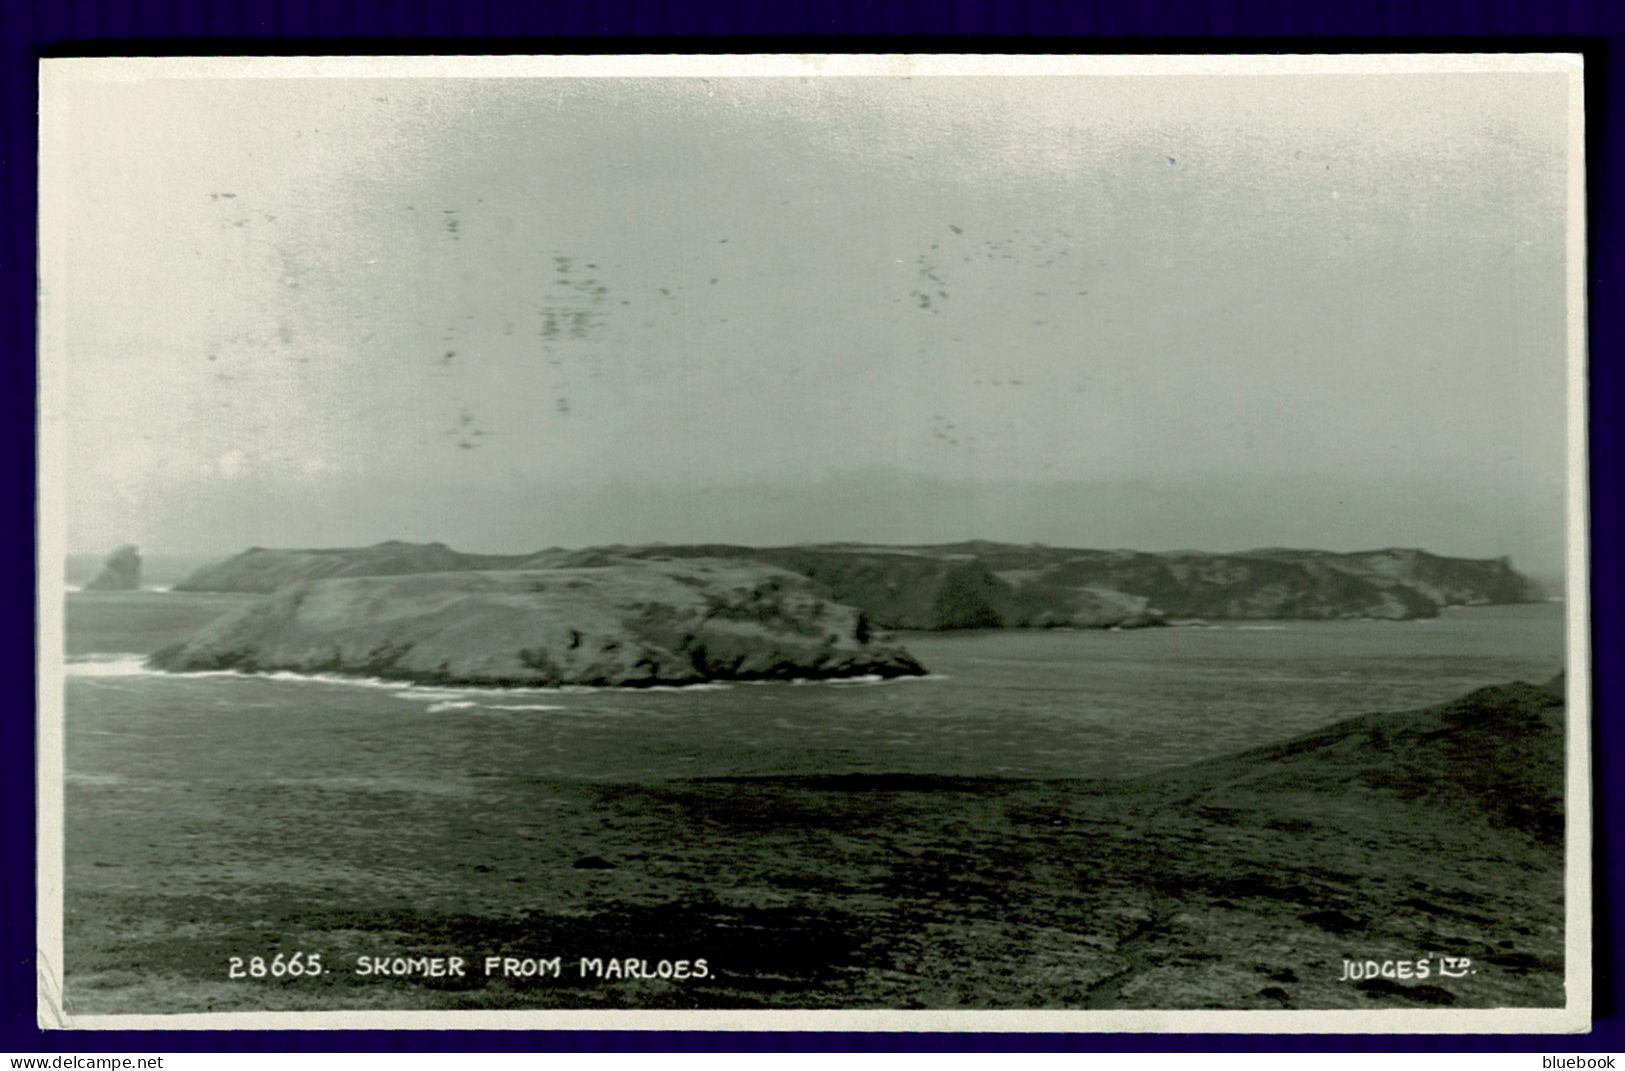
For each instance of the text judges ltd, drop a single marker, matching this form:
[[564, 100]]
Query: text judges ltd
[[586, 967]]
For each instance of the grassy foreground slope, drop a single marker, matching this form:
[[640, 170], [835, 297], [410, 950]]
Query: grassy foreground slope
[[1239, 883]]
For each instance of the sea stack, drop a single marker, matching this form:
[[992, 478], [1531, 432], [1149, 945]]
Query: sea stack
[[120, 572]]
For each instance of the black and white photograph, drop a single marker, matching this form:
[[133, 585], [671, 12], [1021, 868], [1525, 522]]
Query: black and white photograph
[[901, 542]]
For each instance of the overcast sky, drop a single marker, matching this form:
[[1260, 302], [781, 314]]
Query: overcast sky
[[1162, 312]]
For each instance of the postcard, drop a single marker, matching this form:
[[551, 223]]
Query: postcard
[[861, 542]]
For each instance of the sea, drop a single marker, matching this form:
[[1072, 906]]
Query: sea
[[1047, 704]]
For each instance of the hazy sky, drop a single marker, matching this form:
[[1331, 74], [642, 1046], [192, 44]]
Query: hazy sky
[[507, 313]]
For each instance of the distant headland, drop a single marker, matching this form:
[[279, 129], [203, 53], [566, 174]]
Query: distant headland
[[984, 584]]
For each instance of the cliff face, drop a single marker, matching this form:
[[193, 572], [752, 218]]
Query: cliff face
[[121, 572], [627, 623], [993, 585]]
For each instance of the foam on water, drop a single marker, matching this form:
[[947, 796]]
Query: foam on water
[[134, 665], [702, 686], [149, 589], [1212, 626], [469, 704], [109, 665], [867, 679]]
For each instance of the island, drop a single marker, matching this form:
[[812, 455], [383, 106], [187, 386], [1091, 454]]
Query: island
[[626, 622]]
